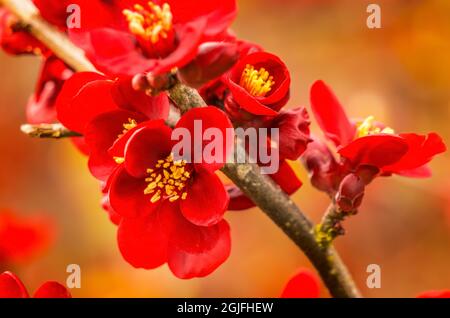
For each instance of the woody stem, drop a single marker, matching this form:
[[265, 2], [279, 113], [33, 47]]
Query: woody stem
[[264, 192]]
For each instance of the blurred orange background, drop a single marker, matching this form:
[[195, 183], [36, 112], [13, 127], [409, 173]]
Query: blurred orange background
[[399, 73]]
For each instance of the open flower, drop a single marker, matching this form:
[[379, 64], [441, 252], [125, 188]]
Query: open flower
[[23, 238], [171, 210], [103, 110], [304, 284], [12, 287], [259, 84], [367, 148], [139, 36]]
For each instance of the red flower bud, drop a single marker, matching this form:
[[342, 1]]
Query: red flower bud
[[325, 172], [212, 61], [294, 132], [351, 193]]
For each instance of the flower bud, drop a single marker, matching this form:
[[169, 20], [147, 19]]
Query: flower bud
[[212, 61], [294, 132], [351, 193], [324, 171]]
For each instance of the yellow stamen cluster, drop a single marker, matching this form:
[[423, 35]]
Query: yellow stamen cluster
[[167, 180], [129, 125], [367, 127], [126, 128], [257, 83], [152, 24]]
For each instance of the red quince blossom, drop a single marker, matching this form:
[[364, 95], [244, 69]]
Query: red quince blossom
[[12, 287], [435, 294], [136, 36], [259, 84], [171, 210], [103, 110], [23, 238], [372, 144], [304, 284]]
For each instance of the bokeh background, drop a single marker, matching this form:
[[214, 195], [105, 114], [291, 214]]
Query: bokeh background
[[399, 73]]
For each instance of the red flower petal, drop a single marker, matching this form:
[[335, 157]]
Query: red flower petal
[[11, 286], [100, 135], [304, 284], [375, 150], [112, 51], [52, 290], [435, 294], [146, 146], [128, 98], [196, 251], [190, 36], [420, 172], [92, 100], [208, 117], [143, 241], [330, 115], [126, 195], [73, 86], [219, 13], [422, 149], [207, 200]]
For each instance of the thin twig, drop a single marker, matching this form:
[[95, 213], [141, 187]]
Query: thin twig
[[55, 131], [262, 190]]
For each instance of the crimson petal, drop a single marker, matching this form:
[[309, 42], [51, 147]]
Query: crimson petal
[[196, 251], [330, 115], [146, 146], [208, 117], [375, 150], [143, 241], [207, 200], [92, 100], [422, 149], [11, 286], [100, 135], [304, 284], [126, 195], [52, 290]]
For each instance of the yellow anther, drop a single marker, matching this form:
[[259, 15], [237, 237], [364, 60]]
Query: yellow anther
[[257, 83], [167, 180], [368, 127], [119, 160], [152, 23], [156, 197]]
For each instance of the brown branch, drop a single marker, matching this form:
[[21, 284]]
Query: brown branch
[[262, 190], [55, 131]]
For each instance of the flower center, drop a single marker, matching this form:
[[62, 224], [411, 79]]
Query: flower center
[[168, 179], [257, 83], [152, 26], [367, 127]]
